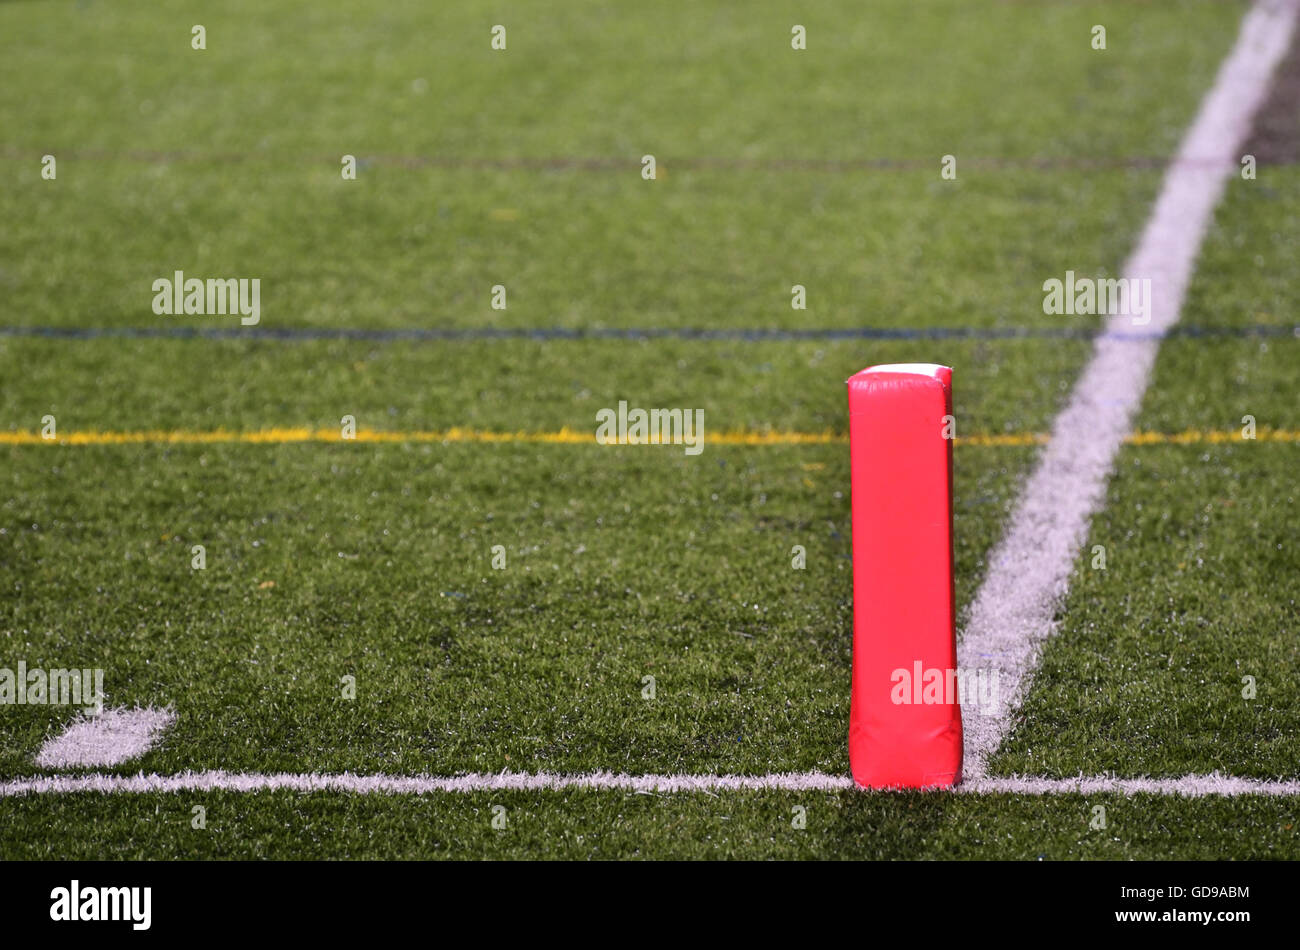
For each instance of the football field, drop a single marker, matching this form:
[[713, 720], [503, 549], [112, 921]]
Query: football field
[[371, 538]]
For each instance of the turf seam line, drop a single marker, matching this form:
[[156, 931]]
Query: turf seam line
[[1014, 612], [1191, 786], [554, 334]]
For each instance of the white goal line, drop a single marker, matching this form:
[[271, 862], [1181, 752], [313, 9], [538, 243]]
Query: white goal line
[[1189, 786]]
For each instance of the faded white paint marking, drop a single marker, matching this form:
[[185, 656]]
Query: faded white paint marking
[[1014, 611], [110, 738]]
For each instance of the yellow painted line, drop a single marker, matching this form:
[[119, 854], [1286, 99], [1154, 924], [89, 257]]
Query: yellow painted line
[[567, 436]]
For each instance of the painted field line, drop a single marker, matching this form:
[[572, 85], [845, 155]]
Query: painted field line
[[1186, 786], [1191, 786], [109, 738], [1013, 612], [566, 436]]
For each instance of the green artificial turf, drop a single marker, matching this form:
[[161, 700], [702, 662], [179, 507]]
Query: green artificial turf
[[1148, 673], [606, 825], [1000, 386], [621, 562], [225, 162], [522, 168]]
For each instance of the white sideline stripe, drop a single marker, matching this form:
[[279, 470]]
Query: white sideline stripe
[[1188, 785], [424, 784], [110, 738], [1014, 611]]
